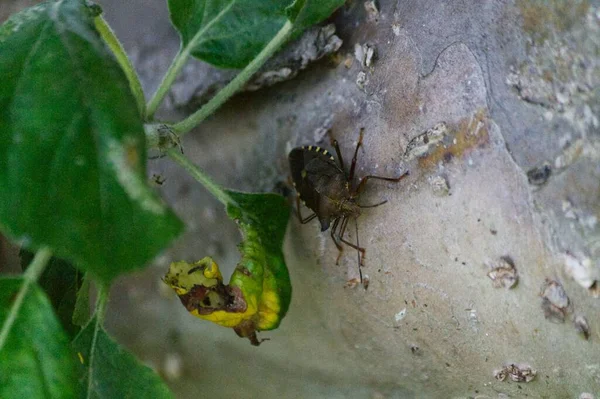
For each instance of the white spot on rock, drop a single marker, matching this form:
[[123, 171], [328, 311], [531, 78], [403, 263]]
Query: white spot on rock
[[400, 315], [173, 366], [439, 186], [361, 80], [581, 269], [372, 10]]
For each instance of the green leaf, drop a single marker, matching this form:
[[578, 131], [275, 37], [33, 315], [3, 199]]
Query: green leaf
[[36, 360], [108, 371], [259, 292], [81, 313], [61, 281], [227, 33], [72, 146], [305, 13]]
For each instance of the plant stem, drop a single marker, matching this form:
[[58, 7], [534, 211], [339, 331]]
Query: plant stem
[[101, 301], [179, 61], [115, 46], [164, 87], [237, 83], [99, 314], [31, 275], [201, 177]]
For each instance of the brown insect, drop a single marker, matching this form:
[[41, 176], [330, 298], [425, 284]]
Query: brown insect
[[330, 192]]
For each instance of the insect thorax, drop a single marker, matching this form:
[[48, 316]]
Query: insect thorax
[[341, 207], [349, 208], [331, 209]]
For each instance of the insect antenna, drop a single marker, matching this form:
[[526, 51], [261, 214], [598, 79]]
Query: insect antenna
[[372, 206]]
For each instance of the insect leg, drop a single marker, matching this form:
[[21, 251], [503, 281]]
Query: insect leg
[[341, 233], [341, 237], [353, 165], [335, 241], [372, 206], [343, 227], [336, 146], [363, 182], [302, 220]]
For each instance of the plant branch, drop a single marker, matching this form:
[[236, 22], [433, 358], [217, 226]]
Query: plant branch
[[179, 61], [115, 46], [201, 177], [237, 83], [31, 275]]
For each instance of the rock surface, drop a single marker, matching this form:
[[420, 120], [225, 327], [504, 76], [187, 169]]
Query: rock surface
[[494, 108]]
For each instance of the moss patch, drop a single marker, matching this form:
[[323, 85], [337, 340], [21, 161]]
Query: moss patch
[[469, 133], [542, 17]]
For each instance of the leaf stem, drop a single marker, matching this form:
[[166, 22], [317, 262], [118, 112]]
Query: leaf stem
[[115, 46], [237, 83], [31, 275], [179, 61], [201, 177]]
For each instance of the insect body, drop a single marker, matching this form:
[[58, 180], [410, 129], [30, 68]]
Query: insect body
[[324, 186]]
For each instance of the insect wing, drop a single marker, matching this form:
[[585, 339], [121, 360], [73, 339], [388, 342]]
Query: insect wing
[[325, 176], [311, 171]]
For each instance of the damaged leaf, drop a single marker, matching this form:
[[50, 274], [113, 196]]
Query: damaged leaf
[[259, 291]]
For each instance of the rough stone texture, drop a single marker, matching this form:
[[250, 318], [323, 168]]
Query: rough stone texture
[[515, 86]]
